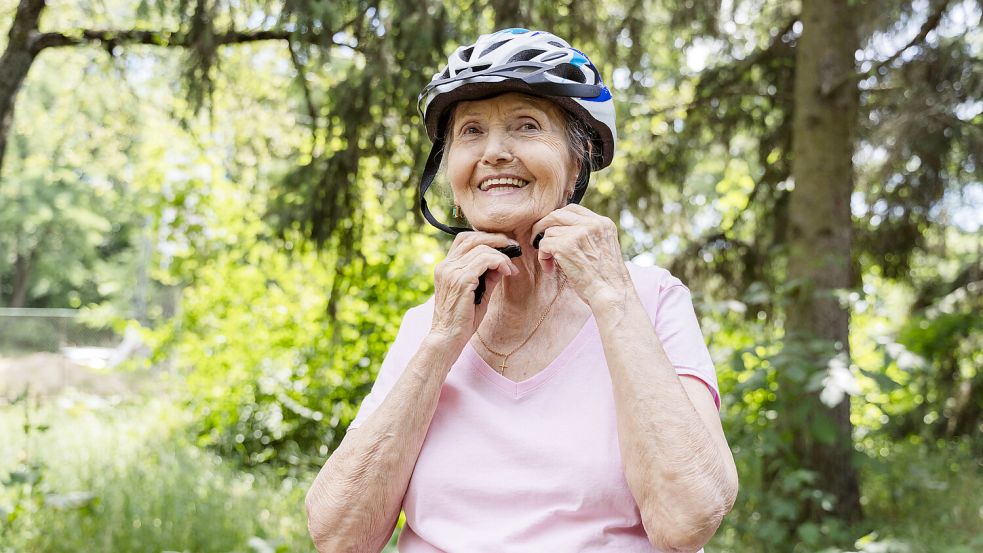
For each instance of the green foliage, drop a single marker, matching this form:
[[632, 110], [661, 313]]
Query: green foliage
[[113, 172], [945, 377], [276, 364], [764, 417], [148, 488], [67, 221], [939, 480]]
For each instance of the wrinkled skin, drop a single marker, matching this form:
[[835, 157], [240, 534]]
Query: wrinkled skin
[[521, 137]]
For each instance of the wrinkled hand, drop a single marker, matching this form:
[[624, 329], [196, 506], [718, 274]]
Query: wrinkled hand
[[585, 246], [455, 315]]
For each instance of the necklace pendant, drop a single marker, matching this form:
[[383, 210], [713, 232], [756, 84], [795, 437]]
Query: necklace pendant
[[504, 366]]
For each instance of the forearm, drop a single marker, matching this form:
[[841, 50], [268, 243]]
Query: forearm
[[675, 469], [356, 498]]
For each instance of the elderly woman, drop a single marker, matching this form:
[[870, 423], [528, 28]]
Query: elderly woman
[[572, 405]]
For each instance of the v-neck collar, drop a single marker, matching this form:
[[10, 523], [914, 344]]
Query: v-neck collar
[[523, 387]]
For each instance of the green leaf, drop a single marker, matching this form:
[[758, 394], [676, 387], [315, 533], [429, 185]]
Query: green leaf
[[822, 429], [884, 382], [809, 533]]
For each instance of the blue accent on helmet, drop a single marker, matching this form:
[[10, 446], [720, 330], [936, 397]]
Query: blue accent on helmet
[[513, 31], [579, 59], [604, 96]]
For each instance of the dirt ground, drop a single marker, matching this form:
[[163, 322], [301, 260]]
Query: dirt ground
[[48, 374]]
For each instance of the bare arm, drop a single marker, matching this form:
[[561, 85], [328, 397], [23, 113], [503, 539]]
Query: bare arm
[[356, 498], [677, 461]]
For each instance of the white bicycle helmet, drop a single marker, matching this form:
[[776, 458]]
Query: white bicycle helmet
[[531, 62]]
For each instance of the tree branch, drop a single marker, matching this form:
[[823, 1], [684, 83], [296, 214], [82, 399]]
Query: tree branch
[[305, 88], [930, 24], [738, 69], [41, 41]]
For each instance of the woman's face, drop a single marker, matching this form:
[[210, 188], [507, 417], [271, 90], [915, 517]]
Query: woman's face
[[508, 161]]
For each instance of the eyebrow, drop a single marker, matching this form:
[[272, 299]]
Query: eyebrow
[[528, 105]]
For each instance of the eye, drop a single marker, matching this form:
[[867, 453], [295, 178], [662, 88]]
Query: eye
[[529, 126], [470, 129]]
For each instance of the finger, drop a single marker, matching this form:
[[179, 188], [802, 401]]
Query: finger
[[579, 209], [485, 249], [545, 258], [466, 241], [555, 242], [547, 262], [478, 263], [560, 217], [492, 278]]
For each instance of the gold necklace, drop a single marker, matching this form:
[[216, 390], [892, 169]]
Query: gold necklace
[[505, 356]]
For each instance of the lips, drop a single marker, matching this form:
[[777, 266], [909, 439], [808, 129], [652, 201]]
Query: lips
[[502, 182]]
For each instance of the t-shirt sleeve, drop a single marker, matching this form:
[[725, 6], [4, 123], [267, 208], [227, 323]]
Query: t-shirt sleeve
[[411, 332], [679, 331]]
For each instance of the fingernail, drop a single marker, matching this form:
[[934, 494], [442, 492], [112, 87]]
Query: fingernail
[[535, 241]]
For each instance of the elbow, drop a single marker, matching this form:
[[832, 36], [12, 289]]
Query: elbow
[[689, 537], [318, 526], [323, 526], [674, 531], [337, 529]]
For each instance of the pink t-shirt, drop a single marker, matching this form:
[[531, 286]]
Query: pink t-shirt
[[533, 465]]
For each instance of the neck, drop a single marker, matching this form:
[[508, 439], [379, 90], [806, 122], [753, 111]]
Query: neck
[[521, 298]]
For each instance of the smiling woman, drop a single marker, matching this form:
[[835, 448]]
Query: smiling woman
[[576, 408], [508, 161], [574, 134]]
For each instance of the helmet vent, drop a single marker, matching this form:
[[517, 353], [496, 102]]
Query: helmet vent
[[525, 55], [492, 47], [557, 44], [466, 53], [475, 68], [568, 71]]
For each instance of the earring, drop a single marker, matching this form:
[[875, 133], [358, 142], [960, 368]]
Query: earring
[[457, 211]]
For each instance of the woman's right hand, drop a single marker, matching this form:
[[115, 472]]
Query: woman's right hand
[[455, 315]]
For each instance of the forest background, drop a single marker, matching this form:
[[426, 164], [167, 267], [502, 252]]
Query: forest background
[[234, 182]]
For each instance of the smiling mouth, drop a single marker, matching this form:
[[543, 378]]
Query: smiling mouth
[[503, 182]]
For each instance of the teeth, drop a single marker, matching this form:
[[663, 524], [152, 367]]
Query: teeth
[[508, 181]]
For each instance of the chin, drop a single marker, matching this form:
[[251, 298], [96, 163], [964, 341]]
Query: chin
[[504, 225], [506, 219]]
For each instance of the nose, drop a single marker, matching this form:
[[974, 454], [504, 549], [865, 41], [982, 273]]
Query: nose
[[498, 148]]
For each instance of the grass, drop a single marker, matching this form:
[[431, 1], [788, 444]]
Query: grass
[[916, 497], [152, 490], [925, 498]]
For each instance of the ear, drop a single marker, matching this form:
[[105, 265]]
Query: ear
[[568, 191], [577, 165]]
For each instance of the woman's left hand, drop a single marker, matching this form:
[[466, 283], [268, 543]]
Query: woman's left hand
[[585, 246]]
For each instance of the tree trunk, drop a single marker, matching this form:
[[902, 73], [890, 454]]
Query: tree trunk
[[819, 241], [22, 278], [16, 62], [508, 13]]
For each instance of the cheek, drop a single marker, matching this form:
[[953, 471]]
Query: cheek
[[555, 165], [457, 172]]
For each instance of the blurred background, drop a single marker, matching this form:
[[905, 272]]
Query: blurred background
[[208, 237]]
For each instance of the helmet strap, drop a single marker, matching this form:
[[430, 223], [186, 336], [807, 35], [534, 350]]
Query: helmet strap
[[582, 179], [429, 173]]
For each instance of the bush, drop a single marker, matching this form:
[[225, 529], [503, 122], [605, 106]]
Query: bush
[[149, 488], [277, 348]]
